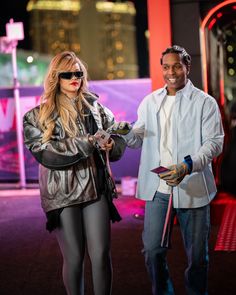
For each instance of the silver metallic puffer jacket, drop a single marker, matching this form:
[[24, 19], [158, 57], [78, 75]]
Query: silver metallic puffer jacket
[[67, 170]]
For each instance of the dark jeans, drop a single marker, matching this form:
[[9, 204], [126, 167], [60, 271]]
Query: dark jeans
[[195, 226]]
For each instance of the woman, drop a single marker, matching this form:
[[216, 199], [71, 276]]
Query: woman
[[75, 186]]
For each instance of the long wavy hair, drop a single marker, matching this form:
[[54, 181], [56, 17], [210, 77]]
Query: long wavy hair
[[54, 102]]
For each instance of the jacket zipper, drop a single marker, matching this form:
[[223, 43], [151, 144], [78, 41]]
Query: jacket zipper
[[66, 182]]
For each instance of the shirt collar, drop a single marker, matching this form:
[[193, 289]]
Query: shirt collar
[[186, 91]]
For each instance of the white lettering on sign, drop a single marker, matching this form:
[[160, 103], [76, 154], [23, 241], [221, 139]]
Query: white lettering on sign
[[7, 113]]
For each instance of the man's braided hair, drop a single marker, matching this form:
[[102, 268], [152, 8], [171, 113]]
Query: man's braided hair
[[186, 58]]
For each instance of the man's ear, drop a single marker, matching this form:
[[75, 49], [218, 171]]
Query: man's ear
[[188, 70]]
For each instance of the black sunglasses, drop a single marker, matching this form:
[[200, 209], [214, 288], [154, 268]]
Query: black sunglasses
[[69, 75]]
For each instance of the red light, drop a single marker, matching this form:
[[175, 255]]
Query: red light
[[222, 93], [214, 9], [203, 43], [211, 24], [219, 14]]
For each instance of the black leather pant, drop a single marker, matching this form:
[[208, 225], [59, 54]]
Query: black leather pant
[[86, 225]]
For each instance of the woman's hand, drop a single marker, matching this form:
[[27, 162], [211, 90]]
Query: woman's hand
[[108, 146]]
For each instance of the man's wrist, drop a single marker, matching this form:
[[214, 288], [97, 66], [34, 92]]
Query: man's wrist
[[188, 161]]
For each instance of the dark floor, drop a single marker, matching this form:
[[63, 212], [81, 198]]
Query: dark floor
[[30, 261]]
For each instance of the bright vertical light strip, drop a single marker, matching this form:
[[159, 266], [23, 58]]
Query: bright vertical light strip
[[204, 62], [203, 40], [222, 92], [159, 26]]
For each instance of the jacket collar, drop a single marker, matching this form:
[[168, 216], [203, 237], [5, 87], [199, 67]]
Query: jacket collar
[[92, 99]]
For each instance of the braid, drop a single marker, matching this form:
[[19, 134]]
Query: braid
[[186, 58]]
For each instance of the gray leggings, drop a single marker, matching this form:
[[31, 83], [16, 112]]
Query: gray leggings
[[86, 226]]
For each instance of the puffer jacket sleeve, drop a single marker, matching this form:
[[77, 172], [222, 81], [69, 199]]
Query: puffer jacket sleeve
[[59, 152]]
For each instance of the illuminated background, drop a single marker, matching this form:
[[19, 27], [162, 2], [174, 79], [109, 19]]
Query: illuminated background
[[104, 34], [113, 38]]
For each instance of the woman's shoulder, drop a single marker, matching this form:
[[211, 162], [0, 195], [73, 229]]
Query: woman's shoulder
[[32, 112]]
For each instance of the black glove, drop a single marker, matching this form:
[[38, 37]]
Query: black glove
[[121, 128]]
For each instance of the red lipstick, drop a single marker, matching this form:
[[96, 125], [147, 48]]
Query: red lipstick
[[74, 83]]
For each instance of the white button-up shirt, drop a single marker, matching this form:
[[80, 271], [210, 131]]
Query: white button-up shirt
[[196, 131]]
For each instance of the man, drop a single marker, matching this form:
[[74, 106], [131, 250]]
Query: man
[[179, 127]]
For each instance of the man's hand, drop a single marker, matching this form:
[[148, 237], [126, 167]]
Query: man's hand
[[121, 128], [175, 175]]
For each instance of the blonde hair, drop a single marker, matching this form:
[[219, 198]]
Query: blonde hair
[[54, 102]]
